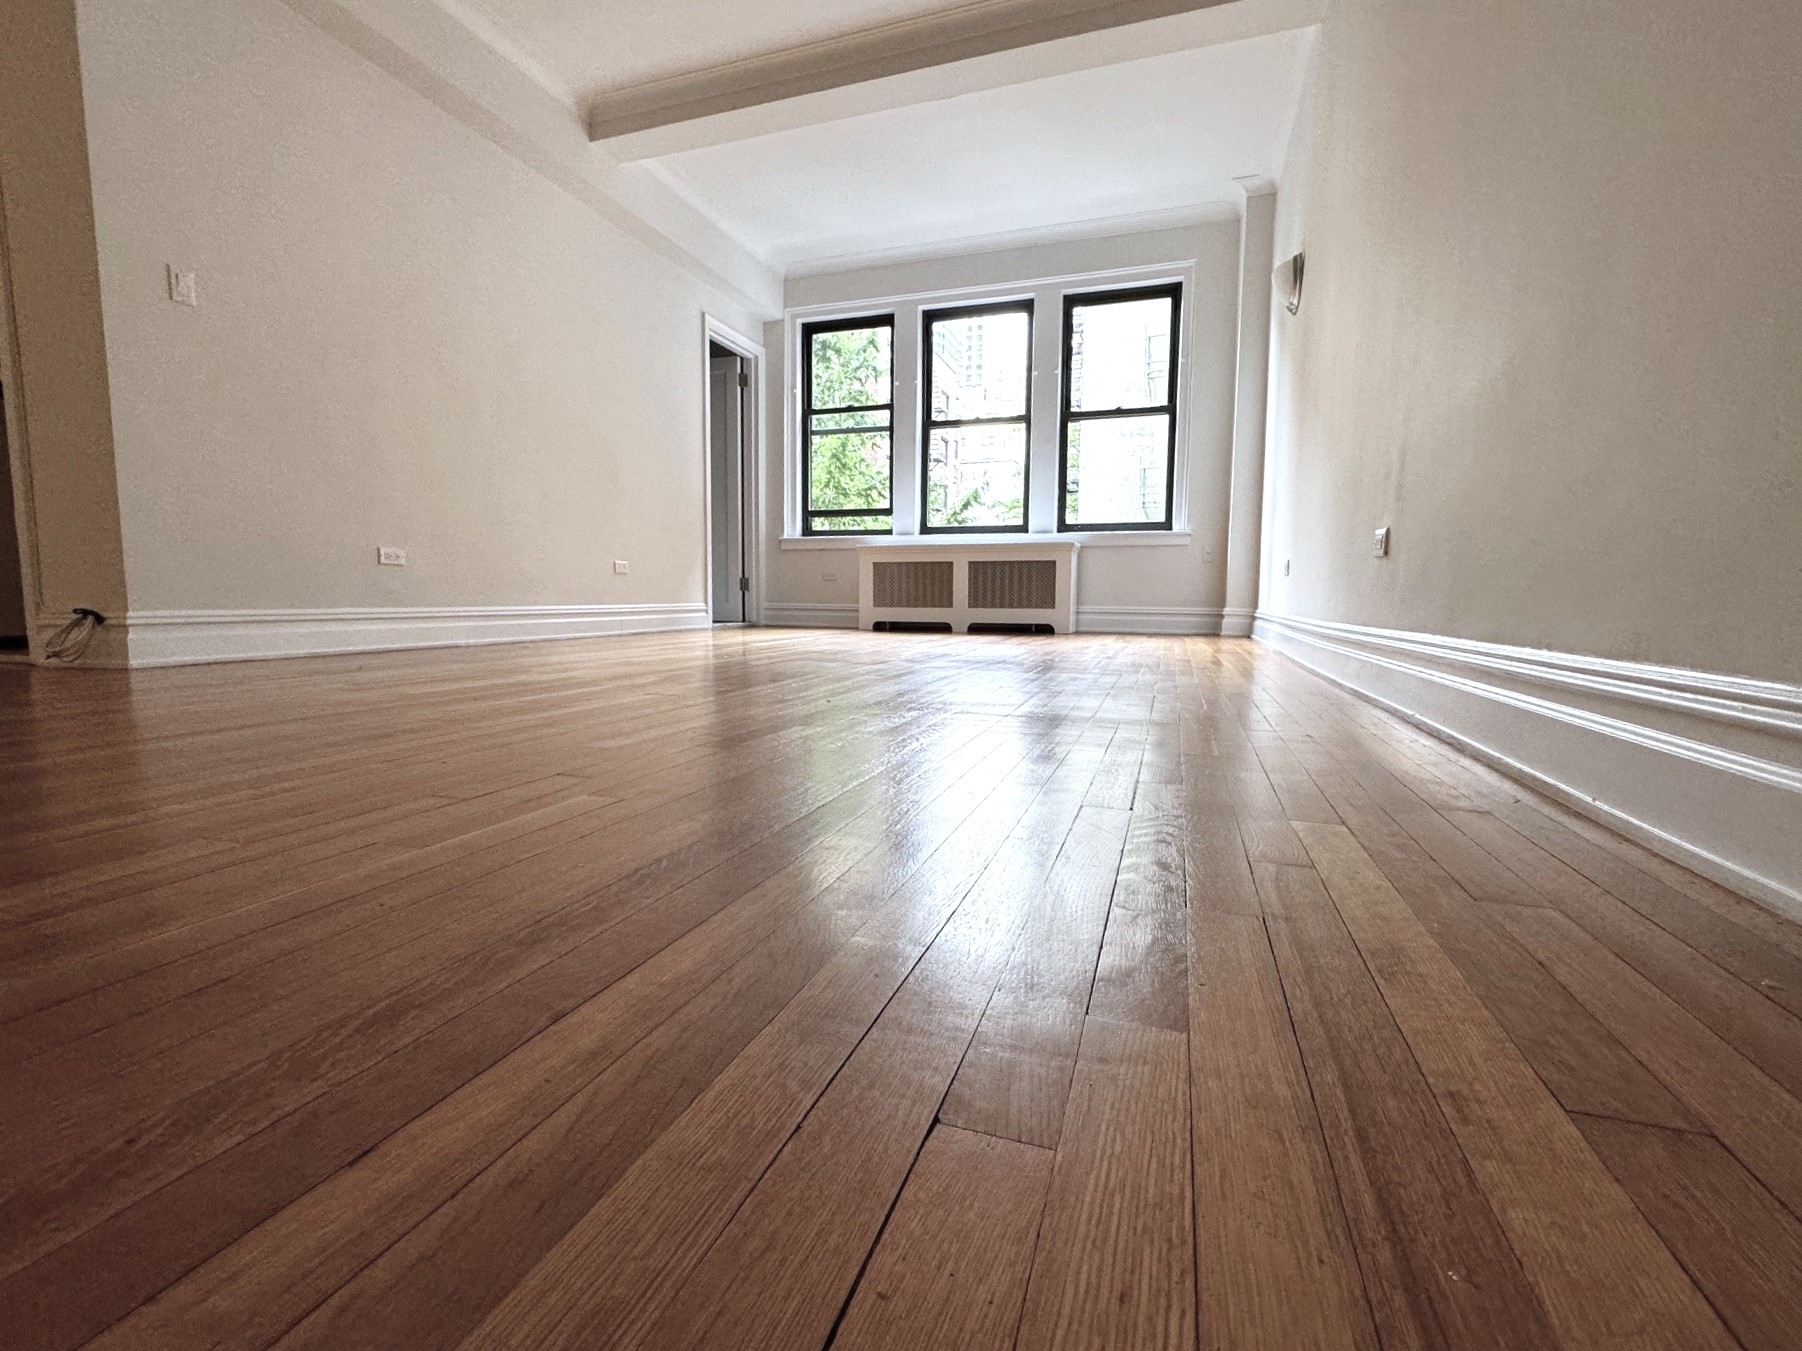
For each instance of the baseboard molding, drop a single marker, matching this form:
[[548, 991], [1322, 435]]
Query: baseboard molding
[[790, 615], [1704, 768], [1146, 619], [186, 637], [1236, 622]]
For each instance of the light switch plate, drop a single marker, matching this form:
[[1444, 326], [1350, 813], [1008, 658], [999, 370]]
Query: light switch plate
[[183, 289], [1380, 544]]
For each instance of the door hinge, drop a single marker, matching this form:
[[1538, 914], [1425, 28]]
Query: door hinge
[[744, 380], [744, 583]]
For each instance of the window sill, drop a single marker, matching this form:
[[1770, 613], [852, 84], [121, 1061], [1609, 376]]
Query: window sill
[[1089, 539]]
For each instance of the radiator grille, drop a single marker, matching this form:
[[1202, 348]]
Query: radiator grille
[[1013, 584], [914, 584]]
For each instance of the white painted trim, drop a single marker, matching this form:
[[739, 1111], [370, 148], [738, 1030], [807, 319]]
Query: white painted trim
[[1047, 295], [789, 614], [1236, 622], [181, 637], [1089, 539], [1704, 768], [18, 446], [1146, 619]]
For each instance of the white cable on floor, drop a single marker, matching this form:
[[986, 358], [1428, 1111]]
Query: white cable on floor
[[70, 642]]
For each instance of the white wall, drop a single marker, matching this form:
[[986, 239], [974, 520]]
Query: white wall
[[1183, 579], [1553, 317], [406, 335], [1550, 336]]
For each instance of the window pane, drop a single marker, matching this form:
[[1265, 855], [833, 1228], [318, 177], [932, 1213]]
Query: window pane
[[875, 419], [1119, 471], [1120, 354], [848, 471], [979, 366], [852, 525], [850, 367], [976, 476]]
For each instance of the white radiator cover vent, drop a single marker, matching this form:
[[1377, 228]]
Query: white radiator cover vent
[[960, 584]]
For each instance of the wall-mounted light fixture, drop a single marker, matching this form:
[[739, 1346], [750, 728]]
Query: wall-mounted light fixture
[[1289, 277]]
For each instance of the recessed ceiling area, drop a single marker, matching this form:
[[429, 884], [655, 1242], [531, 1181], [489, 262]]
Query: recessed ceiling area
[[1166, 134]]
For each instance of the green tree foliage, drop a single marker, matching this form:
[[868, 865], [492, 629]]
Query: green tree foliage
[[849, 469]]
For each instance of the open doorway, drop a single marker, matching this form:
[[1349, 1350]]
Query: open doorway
[[731, 375]]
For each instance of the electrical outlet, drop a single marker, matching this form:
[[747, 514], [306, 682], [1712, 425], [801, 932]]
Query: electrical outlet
[[183, 289], [389, 556], [1379, 544], [828, 576], [621, 567]]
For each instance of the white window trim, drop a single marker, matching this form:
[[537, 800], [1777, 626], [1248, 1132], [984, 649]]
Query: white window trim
[[1047, 296]]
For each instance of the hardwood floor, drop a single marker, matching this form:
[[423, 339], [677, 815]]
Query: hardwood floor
[[770, 989]]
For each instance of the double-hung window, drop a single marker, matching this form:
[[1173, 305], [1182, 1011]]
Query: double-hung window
[[1117, 457], [848, 401], [977, 422]]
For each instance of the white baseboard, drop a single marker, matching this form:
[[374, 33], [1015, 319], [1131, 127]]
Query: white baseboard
[[792, 615], [1704, 768], [183, 637], [1146, 619], [1236, 622]]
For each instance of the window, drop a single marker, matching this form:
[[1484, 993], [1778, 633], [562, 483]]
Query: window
[[1117, 459], [977, 425], [848, 408]]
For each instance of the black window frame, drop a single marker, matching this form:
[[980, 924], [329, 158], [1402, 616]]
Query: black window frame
[[928, 425], [1072, 301], [809, 412]]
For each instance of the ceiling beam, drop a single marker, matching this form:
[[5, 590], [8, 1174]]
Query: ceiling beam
[[982, 46]]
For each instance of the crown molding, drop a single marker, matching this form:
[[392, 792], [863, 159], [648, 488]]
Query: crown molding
[[1105, 227], [426, 46]]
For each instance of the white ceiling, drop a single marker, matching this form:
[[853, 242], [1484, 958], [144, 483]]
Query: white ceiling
[[587, 47], [1166, 134]]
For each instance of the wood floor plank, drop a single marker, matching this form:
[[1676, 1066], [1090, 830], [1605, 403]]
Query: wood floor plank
[[1015, 1079], [1115, 1264], [1752, 1024], [623, 992], [1604, 1277], [282, 1268], [617, 1272], [1275, 1270], [948, 1274], [1767, 968], [1759, 1120], [1143, 974], [1738, 1242], [1437, 1267], [1584, 1065]]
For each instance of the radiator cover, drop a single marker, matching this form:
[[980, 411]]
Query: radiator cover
[[1029, 583]]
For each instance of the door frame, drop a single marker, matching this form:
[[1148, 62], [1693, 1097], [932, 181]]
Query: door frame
[[750, 447], [18, 445]]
